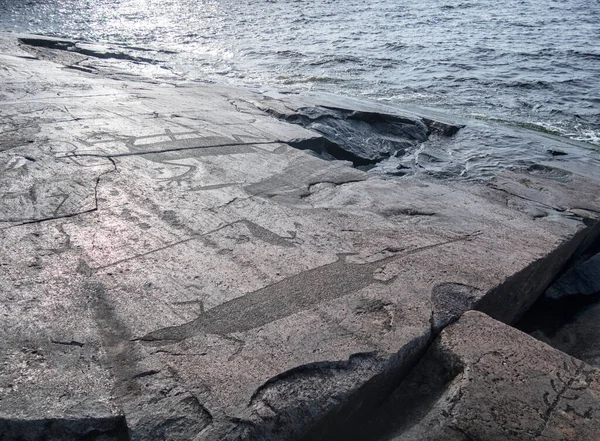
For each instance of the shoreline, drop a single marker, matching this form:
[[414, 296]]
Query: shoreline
[[176, 269], [157, 69]]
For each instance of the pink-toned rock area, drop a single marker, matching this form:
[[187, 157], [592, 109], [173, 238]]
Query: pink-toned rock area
[[186, 261]]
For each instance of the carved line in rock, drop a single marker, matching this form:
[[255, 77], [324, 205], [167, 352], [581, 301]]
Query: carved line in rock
[[518, 196], [267, 235], [298, 178], [191, 169], [130, 141], [256, 230], [565, 387], [284, 298], [53, 99], [192, 135], [165, 247], [174, 149], [216, 186], [55, 216]]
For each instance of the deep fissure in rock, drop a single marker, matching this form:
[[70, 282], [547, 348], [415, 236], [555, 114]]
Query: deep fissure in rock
[[392, 402], [566, 315]]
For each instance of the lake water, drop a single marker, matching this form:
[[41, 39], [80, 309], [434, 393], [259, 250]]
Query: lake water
[[529, 63]]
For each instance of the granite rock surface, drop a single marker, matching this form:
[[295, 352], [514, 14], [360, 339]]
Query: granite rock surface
[[484, 380], [174, 268]]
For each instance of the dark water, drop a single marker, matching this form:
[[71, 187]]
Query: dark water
[[529, 63]]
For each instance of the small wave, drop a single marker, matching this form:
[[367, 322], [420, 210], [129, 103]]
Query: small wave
[[541, 127], [290, 53], [535, 126], [462, 66], [146, 49], [526, 25], [585, 134], [329, 59], [302, 80], [529, 85], [587, 55], [460, 6], [577, 133], [589, 138], [395, 46]]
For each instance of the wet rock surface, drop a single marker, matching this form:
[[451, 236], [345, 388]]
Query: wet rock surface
[[82, 48], [364, 138], [171, 261], [438, 145]]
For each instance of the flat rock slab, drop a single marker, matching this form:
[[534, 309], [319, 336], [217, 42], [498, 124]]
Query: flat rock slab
[[484, 380], [171, 261]]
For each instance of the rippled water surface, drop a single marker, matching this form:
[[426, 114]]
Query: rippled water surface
[[531, 63]]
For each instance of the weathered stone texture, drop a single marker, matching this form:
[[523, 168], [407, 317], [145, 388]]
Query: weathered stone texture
[[168, 258], [483, 380]]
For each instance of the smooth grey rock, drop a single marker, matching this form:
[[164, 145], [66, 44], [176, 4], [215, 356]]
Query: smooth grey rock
[[225, 285]]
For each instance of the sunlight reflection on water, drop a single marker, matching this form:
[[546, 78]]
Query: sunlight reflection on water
[[534, 62]]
